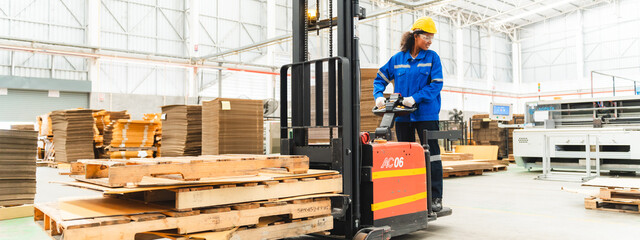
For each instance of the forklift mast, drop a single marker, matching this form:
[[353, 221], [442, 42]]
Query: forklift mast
[[342, 72]]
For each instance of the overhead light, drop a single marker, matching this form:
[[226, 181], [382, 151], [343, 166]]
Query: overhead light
[[532, 12], [312, 14]]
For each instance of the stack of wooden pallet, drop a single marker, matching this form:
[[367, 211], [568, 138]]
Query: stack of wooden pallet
[[211, 197], [616, 195], [232, 126], [17, 166], [472, 160], [133, 139], [182, 130], [73, 134]]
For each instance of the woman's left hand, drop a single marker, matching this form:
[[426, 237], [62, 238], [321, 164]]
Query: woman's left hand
[[408, 101]]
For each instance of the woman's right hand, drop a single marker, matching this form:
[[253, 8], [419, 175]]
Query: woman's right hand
[[380, 102]]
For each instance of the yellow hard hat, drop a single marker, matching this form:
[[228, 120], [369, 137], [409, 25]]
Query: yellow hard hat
[[425, 24]]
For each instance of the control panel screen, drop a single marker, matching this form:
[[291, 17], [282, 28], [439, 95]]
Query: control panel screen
[[500, 110]]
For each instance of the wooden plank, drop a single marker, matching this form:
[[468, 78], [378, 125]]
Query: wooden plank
[[196, 223], [16, 212], [151, 183], [479, 151], [456, 166], [122, 175], [221, 196], [97, 207], [279, 231]]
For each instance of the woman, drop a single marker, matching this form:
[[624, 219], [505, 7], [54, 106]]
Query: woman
[[417, 73]]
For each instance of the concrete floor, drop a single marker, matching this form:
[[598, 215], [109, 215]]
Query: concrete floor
[[501, 205]]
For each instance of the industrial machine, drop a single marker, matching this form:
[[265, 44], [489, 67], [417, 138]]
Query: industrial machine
[[591, 134], [386, 184]]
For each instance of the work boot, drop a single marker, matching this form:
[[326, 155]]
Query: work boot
[[436, 204]]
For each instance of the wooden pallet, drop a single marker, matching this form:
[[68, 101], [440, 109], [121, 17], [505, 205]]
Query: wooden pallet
[[620, 195], [123, 172], [462, 173], [184, 199], [208, 219], [270, 229], [497, 168], [613, 206]]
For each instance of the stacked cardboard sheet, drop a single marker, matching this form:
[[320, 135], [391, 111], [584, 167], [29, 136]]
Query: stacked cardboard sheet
[[488, 132], [73, 134], [17, 166], [182, 130], [232, 126]]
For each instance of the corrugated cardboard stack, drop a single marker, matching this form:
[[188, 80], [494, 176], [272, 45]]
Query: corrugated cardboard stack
[[182, 130], [232, 126], [73, 134], [17, 166], [368, 121], [487, 132]]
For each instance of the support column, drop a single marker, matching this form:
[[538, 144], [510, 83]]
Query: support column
[[93, 39], [193, 16], [459, 53], [580, 47], [516, 65], [271, 32], [491, 61]]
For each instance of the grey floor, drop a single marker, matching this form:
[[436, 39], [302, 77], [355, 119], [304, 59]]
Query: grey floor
[[501, 205]]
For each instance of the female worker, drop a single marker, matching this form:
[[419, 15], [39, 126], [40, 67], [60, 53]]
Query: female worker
[[417, 73]]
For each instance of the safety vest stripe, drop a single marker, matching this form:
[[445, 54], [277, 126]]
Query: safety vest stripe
[[437, 80], [402, 66], [398, 173], [424, 65], [383, 76], [398, 201]]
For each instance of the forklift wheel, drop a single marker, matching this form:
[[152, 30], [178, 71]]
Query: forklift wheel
[[360, 236], [373, 233]]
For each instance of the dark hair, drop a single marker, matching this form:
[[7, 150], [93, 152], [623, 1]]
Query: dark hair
[[408, 40]]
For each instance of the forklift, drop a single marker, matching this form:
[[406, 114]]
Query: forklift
[[386, 185]]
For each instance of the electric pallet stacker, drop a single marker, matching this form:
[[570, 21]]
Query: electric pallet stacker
[[386, 184]]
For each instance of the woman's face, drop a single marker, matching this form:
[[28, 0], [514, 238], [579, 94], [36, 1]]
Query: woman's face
[[423, 41]]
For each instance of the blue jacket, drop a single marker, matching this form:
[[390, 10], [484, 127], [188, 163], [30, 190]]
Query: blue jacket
[[420, 78]]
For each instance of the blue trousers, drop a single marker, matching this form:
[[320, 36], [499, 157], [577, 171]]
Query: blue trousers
[[406, 132]]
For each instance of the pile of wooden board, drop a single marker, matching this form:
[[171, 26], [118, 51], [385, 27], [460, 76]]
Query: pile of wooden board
[[182, 130], [133, 138], [213, 197], [73, 134], [232, 126], [616, 195], [17, 166], [472, 160]]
